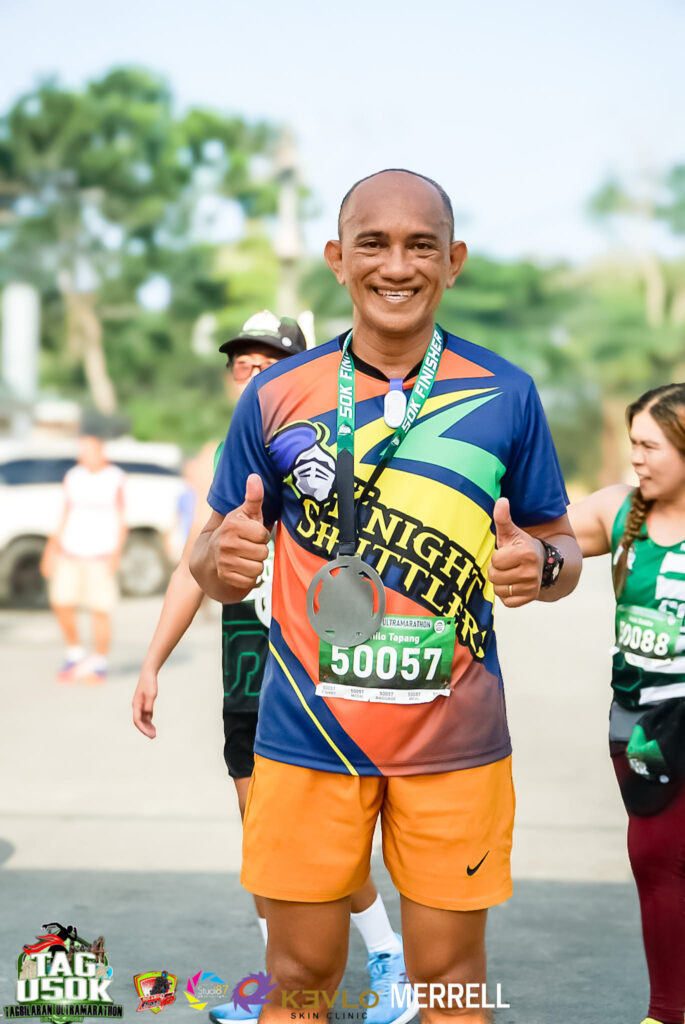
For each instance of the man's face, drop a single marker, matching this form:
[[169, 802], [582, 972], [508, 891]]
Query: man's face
[[246, 364], [396, 254]]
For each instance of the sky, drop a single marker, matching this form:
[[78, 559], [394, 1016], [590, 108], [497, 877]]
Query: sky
[[519, 110]]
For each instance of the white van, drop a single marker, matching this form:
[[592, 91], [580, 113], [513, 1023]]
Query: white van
[[31, 474]]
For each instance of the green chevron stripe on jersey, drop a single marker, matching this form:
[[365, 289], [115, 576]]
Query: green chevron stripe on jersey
[[649, 653]]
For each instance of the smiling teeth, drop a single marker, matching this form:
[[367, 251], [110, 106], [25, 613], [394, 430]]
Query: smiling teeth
[[395, 295]]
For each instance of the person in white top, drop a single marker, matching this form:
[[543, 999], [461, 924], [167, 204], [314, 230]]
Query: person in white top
[[82, 557]]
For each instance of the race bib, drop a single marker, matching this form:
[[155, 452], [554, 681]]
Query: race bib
[[408, 661], [647, 632]]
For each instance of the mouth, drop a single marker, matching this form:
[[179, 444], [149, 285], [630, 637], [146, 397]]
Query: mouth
[[396, 295]]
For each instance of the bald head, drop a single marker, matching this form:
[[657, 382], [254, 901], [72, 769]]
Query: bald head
[[399, 178]]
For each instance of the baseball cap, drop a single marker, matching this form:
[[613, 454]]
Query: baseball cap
[[265, 328]]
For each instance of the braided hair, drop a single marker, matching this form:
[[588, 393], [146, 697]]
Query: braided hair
[[666, 405]]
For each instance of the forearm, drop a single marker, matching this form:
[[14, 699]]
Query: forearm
[[204, 570], [55, 541], [567, 579], [123, 534], [181, 602]]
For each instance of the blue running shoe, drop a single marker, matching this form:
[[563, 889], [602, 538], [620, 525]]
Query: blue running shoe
[[227, 1012], [386, 970], [70, 671]]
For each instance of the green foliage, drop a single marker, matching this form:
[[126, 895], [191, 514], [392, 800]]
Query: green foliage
[[322, 293], [673, 210], [189, 414], [520, 311], [98, 192], [250, 268]]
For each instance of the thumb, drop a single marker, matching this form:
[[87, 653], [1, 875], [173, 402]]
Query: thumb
[[254, 496], [505, 529]]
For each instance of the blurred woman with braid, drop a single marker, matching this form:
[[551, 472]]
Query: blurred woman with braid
[[644, 529]]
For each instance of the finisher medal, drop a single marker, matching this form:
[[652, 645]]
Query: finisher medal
[[346, 598], [349, 591]]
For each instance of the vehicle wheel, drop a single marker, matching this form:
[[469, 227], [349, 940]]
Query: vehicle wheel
[[21, 582], [144, 567]]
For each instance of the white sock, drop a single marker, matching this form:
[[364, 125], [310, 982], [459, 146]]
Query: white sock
[[98, 662], [375, 928], [75, 653], [261, 921]]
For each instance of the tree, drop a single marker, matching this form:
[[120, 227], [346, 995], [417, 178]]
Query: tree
[[631, 321], [100, 190]]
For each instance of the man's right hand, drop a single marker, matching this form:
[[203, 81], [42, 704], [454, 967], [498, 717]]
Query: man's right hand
[[239, 546]]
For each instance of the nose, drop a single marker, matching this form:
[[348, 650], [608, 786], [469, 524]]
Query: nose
[[396, 266]]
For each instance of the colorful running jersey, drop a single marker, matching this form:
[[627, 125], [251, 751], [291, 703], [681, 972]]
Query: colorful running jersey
[[426, 527], [649, 651]]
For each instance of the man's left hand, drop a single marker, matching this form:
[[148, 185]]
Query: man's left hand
[[516, 565]]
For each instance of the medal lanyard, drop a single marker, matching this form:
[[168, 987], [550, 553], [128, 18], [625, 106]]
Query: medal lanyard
[[344, 470]]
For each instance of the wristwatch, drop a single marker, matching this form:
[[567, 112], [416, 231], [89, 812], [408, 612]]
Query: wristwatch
[[552, 565]]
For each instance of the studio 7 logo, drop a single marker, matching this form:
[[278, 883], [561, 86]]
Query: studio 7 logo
[[63, 978]]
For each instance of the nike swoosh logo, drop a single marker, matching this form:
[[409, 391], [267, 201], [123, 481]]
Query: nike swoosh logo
[[472, 871]]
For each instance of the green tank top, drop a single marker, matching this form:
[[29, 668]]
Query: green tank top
[[649, 648]]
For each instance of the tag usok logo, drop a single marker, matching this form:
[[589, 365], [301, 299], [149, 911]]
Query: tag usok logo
[[58, 981], [62, 978]]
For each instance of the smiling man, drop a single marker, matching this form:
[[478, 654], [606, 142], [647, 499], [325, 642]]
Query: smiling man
[[393, 705]]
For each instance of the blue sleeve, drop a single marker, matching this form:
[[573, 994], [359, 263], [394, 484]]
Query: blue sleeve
[[243, 453], [533, 482]]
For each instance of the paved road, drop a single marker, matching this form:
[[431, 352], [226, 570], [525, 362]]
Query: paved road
[[140, 840]]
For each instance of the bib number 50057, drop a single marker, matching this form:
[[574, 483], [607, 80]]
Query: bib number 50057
[[384, 662]]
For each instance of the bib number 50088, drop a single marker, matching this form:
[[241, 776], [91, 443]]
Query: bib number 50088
[[646, 641], [383, 662]]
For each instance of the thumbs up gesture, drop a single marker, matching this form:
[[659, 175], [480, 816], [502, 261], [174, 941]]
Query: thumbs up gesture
[[516, 565], [239, 545]]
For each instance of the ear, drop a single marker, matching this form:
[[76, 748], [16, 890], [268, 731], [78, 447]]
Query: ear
[[333, 256], [458, 254]]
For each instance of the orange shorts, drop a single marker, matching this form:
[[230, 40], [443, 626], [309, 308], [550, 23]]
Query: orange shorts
[[307, 834]]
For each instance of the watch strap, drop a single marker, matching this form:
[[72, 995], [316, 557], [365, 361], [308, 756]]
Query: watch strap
[[552, 565]]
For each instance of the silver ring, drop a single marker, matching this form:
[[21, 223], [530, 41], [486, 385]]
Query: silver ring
[[511, 590]]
